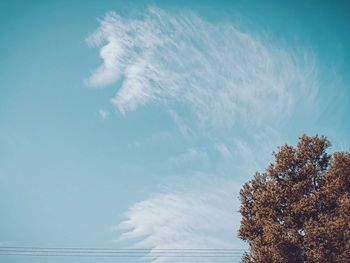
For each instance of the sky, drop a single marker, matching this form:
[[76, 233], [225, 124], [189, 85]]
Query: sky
[[135, 123]]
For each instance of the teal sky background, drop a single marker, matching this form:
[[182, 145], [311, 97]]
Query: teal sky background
[[73, 165]]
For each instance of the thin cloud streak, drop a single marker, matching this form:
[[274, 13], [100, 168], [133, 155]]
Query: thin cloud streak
[[104, 115]]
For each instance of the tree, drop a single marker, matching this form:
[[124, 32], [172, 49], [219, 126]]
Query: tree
[[299, 209]]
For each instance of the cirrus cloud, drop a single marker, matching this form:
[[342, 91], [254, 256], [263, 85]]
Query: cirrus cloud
[[199, 215], [224, 75], [227, 78]]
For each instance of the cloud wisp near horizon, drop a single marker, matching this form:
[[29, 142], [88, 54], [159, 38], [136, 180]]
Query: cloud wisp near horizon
[[193, 216], [219, 84]]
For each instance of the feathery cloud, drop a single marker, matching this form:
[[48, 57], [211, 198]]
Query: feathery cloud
[[227, 78], [224, 75], [197, 216], [104, 115]]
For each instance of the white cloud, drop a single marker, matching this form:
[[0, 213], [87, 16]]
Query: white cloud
[[224, 151], [201, 215], [104, 115], [224, 75], [192, 157], [230, 81], [184, 129]]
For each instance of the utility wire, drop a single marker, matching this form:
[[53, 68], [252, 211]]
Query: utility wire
[[133, 250], [120, 252]]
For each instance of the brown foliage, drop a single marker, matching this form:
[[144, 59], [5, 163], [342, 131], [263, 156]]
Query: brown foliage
[[299, 209]]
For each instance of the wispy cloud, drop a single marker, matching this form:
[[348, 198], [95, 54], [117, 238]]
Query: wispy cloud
[[185, 130], [192, 156], [199, 215], [232, 82], [225, 76], [104, 115], [223, 150]]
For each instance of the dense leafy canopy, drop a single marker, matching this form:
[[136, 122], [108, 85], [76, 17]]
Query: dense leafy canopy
[[299, 209]]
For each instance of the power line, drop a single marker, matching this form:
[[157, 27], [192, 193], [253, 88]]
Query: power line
[[119, 249], [121, 256], [121, 252]]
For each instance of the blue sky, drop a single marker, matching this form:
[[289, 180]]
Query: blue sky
[[135, 123]]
